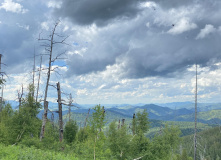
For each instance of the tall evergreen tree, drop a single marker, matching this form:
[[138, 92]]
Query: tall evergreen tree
[[70, 131]]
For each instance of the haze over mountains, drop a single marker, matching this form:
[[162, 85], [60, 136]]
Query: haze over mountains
[[177, 111]]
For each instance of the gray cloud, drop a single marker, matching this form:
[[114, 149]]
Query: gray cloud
[[18, 34], [150, 50], [100, 12], [170, 61], [140, 42], [173, 3]]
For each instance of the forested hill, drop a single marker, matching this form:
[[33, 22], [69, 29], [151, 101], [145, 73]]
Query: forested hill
[[208, 142], [154, 112]]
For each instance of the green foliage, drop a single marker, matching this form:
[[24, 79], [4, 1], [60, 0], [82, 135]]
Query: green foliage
[[24, 122], [70, 131], [97, 119], [209, 145], [19, 124], [118, 140], [25, 153], [206, 116], [29, 105], [140, 146], [140, 123], [23, 128], [163, 144], [83, 134], [182, 156], [51, 137], [5, 124]]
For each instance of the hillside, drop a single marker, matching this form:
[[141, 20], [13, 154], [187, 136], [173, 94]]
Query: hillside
[[187, 128], [190, 105], [208, 142], [210, 117], [158, 116]]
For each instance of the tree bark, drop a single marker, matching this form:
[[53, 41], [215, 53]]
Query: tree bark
[[48, 79], [60, 113], [39, 77]]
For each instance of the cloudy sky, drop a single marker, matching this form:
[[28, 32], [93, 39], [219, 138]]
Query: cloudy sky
[[119, 51]]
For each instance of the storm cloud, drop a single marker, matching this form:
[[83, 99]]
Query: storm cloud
[[158, 42], [19, 31], [142, 38], [100, 12], [120, 51]]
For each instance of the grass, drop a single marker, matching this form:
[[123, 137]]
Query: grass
[[25, 153]]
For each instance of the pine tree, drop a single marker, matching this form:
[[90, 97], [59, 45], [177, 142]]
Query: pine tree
[[70, 131]]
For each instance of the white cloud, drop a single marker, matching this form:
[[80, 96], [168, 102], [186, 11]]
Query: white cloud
[[44, 25], [10, 6], [181, 26], [54, 4], [65, 28], [82, 91], [148, 4], [26, 27], [205, 31]]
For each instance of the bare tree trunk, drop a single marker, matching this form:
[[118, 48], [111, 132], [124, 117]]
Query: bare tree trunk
[[69, 109], [48, 79], [118, 124], [94, 148], [134, 124], [102, 119], [123, 120], [44, 118], [85, 122], [195, 138], [39, 77], [60, 113], [20, 97], [1, 100], [33, 92]]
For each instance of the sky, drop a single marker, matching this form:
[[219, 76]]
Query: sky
[[116, 52]]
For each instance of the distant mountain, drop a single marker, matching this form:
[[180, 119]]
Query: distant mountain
[[177, 105], [14, 104], [154, 111], [191, 106], [176, 111], [158, 116], [210, 117]]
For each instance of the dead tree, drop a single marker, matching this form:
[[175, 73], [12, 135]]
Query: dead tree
[[20, 94], [60, 113], [123, 120], [69, 106], [1, 100], [52, 117], [1, 82], [195, 138], [102, 118], [39, 77], [118, 124], [134, 124], [33, 75], [45, 117], [49, 45], [85, 122]]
